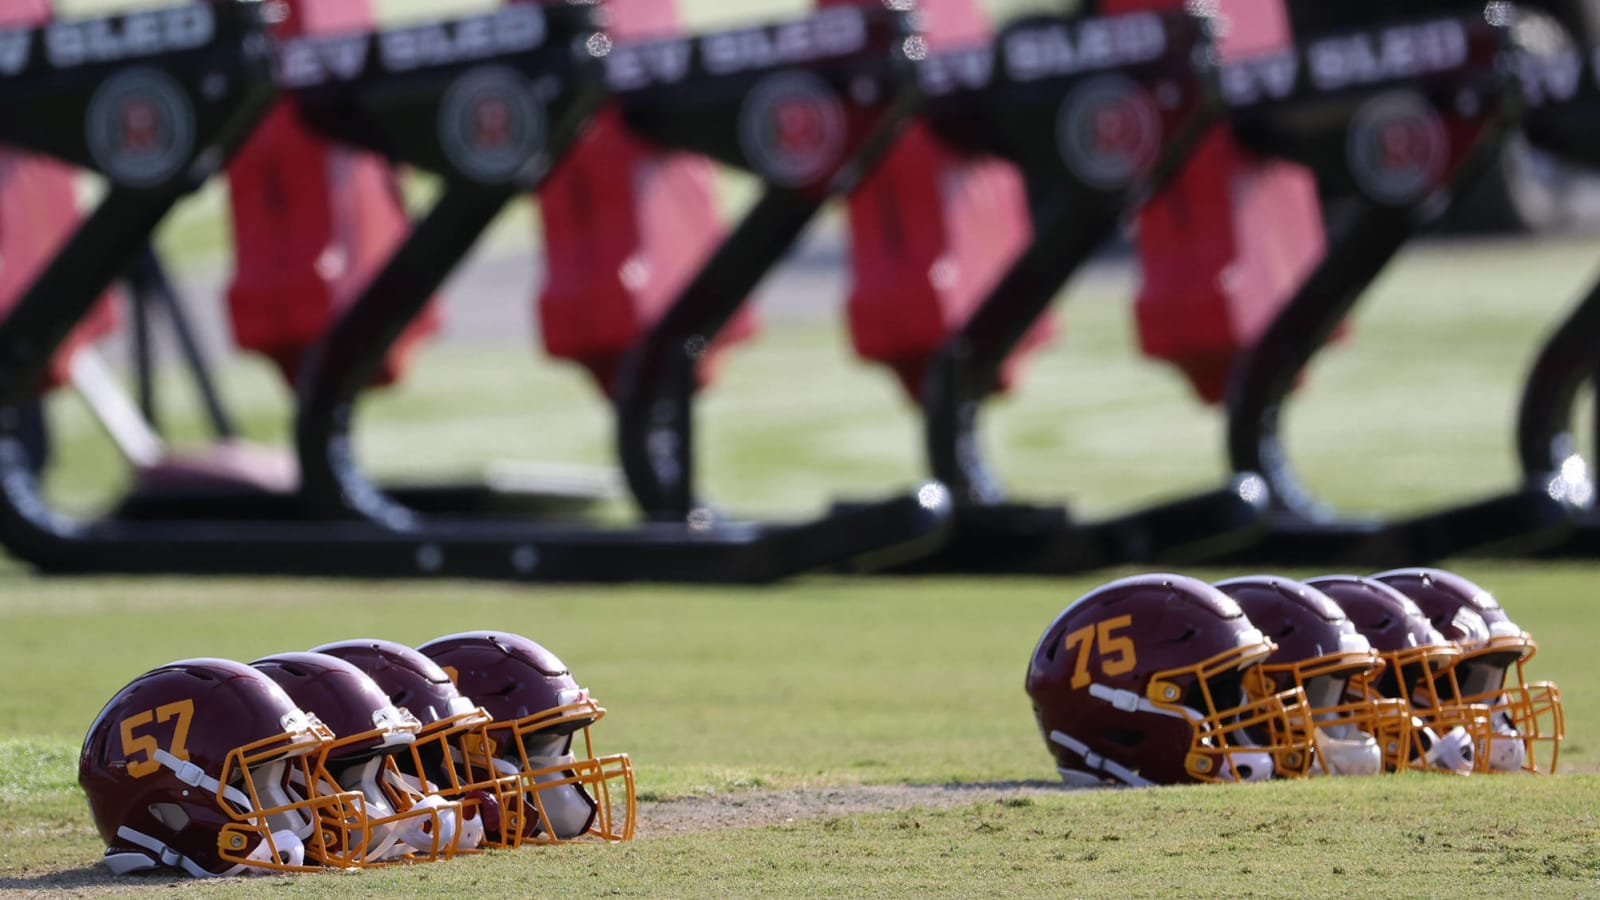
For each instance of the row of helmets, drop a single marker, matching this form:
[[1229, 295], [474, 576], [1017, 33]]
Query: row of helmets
[[356, 754], [1165, 679]]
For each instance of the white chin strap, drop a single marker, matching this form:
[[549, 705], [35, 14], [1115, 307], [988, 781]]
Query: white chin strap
[[291, 849], [394, 834], [568, 808], [1239, 764], [470, 831], [467, 826], [415, 832], [1247, 765], [1345, 756], [1096, 762], [1508, 752], [291, 852], [384, 836], [274, 793], [1452, 751]]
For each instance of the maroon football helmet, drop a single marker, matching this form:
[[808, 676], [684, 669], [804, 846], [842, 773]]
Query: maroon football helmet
[[1445, 734], [200, 766], [1320, 651], [1526, 720], [1143, 681], [399, 823], [538, 707], [437, 761]]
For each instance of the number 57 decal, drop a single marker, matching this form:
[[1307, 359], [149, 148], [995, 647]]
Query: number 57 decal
[[147, 745], [1117, 656]]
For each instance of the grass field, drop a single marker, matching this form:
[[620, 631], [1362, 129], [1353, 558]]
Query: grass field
[[822, 683], [826, 683]]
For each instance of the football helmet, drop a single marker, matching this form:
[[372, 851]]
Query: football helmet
[[1526, 720], [538, 708], [1320, 651], [189, 768], [397, 823], [1143, 681], [437, 761], [1445, 734]]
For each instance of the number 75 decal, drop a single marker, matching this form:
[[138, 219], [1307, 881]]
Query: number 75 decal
[[146, 744], [1117, 656]]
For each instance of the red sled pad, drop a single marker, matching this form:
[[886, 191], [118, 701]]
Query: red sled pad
[[932, 229], [626, 225], [313, 221], [38, 212], [1228, 241]]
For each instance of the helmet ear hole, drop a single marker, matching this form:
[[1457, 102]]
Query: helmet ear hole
[[171, 815], [1126, 737]]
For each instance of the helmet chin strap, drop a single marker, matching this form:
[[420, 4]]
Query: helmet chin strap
[[1239, 764], [407, 830], [471, 832], [1451, 751], [123, 863], [290, 847], [568, 808], [1349, 756], [1095, 761], [194, 776], [1247, 765], [1508, 751], [298, 822], [412, 830], [290, 852], [467, 826], [381, 837]]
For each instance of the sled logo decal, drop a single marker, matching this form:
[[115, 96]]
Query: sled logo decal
[[792, 129], [490, 125], [1398, 149], [140, 128], [1109, 133]]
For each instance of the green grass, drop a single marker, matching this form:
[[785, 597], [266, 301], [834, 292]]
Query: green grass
[[831, 682], [823, 682], [836, 682], [1425, 836]]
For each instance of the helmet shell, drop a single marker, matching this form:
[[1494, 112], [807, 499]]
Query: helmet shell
[[346, 700], [1304, 622], [1385, 616], [510, 676], [409, 678], [1460, 610], [1140, 637], [200, 711]]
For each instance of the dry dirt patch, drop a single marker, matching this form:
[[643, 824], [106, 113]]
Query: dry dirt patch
[[689, 815], [685, 815]]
